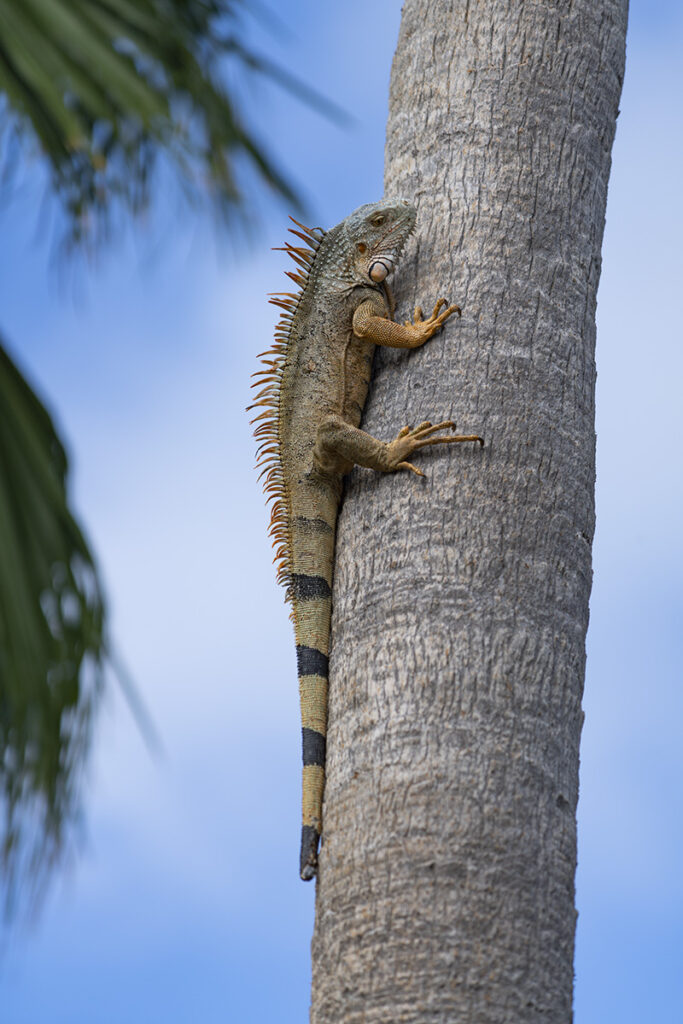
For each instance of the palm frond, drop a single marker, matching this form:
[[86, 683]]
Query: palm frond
[[51, 637], [109, 87]]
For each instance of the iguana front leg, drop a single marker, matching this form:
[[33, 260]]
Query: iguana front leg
[[339, 446], [369, 323]]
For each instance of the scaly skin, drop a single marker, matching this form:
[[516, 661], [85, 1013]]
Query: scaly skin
[[316, 383]]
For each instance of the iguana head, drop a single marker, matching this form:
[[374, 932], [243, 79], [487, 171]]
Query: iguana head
[[374, 236]]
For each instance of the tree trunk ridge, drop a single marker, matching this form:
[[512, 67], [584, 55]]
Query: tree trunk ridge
[[446, 888]]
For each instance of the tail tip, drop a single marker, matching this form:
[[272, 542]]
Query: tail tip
[[308, 864]]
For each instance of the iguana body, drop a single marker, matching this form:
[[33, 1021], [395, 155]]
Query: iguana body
[[314, 387]]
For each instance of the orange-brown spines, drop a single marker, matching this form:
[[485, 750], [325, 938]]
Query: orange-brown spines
[[269, 380]]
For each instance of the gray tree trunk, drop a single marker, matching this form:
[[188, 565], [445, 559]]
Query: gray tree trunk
[[446, 888]]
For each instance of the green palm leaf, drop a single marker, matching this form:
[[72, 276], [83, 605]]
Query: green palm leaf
[[108, 87], [108, 91], [51, 635]]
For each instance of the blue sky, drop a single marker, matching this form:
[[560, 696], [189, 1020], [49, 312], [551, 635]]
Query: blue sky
[[184, 903]]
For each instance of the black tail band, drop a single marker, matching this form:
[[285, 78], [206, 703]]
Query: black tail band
[[313, 744], [311, 662], [308, 588]]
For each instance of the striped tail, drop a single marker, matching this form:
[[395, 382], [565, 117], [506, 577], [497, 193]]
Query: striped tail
[[312, 666], [311, 591]]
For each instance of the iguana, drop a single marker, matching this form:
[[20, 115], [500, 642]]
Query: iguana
[[313, 388]]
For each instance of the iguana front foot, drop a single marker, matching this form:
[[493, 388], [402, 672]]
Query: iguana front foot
[[410, 440], [410, 334], [426, 329]]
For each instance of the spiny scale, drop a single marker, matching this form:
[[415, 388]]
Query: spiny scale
[[268, 453]]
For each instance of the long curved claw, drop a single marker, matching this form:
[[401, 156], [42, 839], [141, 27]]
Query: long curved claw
[[441, 319], [409, 465], [427, 428], [453, 439]]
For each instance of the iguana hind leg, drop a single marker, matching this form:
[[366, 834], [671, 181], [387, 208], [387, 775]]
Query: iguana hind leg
[[339, 446]]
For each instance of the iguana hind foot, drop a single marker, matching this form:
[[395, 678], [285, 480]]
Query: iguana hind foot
[[339, 446], [409, 441]]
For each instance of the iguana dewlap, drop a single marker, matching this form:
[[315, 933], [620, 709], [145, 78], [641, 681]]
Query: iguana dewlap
[[313, 389]]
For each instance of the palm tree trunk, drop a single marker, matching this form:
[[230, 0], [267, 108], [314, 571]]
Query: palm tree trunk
[[446, 888]]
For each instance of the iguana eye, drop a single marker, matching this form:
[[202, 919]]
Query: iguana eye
[[362, 248], [378, 221]]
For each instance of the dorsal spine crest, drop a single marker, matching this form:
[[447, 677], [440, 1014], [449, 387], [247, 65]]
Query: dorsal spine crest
[[269, 380]]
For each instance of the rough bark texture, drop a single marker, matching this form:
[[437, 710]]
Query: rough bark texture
[[446, 889]]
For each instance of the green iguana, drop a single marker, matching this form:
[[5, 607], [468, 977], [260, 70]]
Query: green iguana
[[313, 389]]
